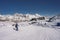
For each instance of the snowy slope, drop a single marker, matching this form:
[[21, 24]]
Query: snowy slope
[[39, 30], [28, 32]]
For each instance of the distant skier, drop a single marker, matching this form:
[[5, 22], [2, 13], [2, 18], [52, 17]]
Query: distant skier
[[16, 26]]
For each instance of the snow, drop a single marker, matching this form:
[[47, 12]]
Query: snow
[[28, 32], [39, 30]]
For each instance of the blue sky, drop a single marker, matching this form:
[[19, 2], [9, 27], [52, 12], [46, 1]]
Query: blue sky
[[43, 7]]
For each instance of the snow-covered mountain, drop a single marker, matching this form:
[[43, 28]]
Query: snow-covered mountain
[[19, 17], [54, 18], [27, 17]]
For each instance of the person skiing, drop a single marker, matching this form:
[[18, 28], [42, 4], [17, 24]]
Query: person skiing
[[16, 26]]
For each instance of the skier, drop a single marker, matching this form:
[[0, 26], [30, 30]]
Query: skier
[[16, 26]]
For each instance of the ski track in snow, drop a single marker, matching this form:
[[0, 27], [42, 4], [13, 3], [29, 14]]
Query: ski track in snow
[[27, 32]]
